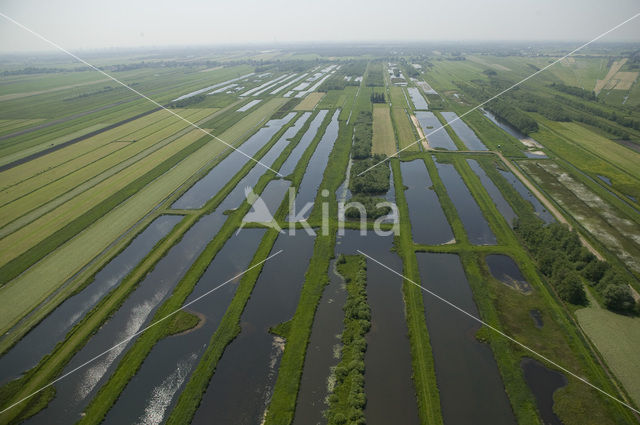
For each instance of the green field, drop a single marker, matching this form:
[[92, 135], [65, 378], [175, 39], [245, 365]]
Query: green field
[[384, 141], [618, 340]]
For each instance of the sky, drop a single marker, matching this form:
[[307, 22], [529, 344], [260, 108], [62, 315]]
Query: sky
[[89, 24]]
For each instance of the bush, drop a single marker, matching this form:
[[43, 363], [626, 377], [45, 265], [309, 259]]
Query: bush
[[374, 181], [570, 289], [618, 298]]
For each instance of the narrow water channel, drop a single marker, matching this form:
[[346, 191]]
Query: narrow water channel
[[74, 392], [495, 194], [440, 138], [208, 186], [315, 169], [429, 225], [467, 135], [476, 226], [418, 100], [388, 384], [53, 328], [295, 155], [241, 386], [152, 392], [539, 209], [323, 352], [471, 389]]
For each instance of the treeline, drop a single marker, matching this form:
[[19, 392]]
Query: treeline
[[375, 76], [574, 91], [562, 258], [362, 135], [509, 113], [374, 181], [36, 70], [356, 67], [188, 101], [609, 114], [503, 108], [285, 109], [511, 107], [337, 82], [106, 89], [348, 399], [377, 97]]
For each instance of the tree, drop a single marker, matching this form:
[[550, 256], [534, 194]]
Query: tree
[[595, 270], [570, 289], [618, 298]]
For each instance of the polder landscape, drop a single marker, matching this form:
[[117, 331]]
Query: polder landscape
[[489, 272]]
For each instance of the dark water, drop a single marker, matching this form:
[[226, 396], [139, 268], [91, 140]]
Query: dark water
[[75, 391], [607, 180], [391, 193], [157, 404], [495, 194], [471, 389], [469, 212], [506, 270], [429, 225], [239, 192], [45, 335], [418, 100], [315, 169], [207, 187], [152, 392], [293, 159], [537, 318], [388, 384], [543, 382], [468, 136], [272, 196], [439, 139], [539, 209], [321, 352], [241, 387], [535, 155]]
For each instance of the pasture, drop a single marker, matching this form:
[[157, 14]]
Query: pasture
[[384, 140]]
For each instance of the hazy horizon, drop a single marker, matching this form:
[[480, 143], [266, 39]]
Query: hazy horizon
[[86, 25]]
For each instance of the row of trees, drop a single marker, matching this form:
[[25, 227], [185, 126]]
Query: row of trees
[[574, 91], [562, 258], [348, 400], [375, 77], [510, 114], [193, 100], [362, 135], [377, 98], [374, 181]]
